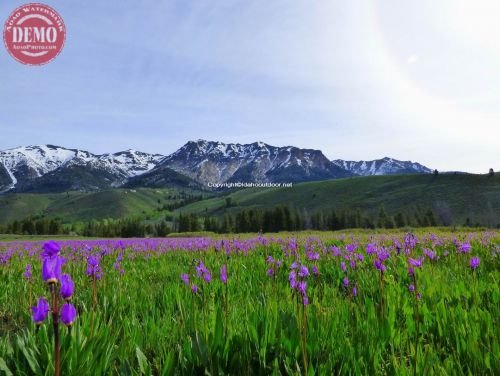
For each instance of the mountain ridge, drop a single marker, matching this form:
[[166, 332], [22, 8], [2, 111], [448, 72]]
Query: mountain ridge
[[51, 168]]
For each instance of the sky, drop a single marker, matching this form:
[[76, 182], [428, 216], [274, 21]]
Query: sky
[[359, 80]]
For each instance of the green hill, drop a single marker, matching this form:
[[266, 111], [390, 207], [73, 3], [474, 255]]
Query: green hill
[[81, 206], [453, 198]]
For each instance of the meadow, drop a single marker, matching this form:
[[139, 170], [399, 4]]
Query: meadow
[[360, 303]]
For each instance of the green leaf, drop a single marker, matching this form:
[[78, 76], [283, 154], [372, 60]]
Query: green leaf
[[142, 360], [4, 368]]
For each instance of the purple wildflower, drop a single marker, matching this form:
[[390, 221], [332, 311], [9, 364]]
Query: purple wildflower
[[40, 311], [474, 263], [303, 272], [335, 250], [301, 287], [465, 247], [354, 291], [315, 270], [51, 268], [27, 272], [50, 249], [371, 248], [207, 276], [93, 267], [411, 288], [292, 278], [342, 266], [68, 314], [185, 278], [313, 256], [67, 287], [223, 274], [379, 265], [194, 289], [346, 281], [417, 263], [430, 254], [270, 272]]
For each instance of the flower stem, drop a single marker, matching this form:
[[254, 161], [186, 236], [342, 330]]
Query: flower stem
[[55, 323], [417, 321]]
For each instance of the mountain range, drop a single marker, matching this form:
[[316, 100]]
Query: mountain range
[[49, 168]]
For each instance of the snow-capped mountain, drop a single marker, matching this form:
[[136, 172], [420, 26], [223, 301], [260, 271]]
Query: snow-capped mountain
[[49, 168], [217, 162], [384, 166], [25, 168]]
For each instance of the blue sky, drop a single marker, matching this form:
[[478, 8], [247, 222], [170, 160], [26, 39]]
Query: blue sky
[[357, 79]]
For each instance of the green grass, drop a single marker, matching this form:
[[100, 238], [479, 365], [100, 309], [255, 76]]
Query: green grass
[[149, 323], [456, 196]]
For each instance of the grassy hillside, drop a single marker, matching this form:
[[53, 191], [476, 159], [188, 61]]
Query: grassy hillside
[[452, 197], [81, 206]]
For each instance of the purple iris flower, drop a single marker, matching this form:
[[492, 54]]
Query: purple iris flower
[[354, 291], [303, 271], [474, 262], [207, 276], [292, 278], [411, 271], [185, 278], [27, 273], [351, 247], [40, 311], [270, 260], [301, 287], [270, 272], [278, 263], [93, 267], [51, 268], [343, 267], [313, 256], [417, 263], [430, 254], [194, 289], [465, 247], [68, 314], [346, 281], [411, 288], [315, 270], [335, 250], [379, 265], [294, 265], [371, 248], [305, 300], [223, 274], [67, 287], [50, 249]]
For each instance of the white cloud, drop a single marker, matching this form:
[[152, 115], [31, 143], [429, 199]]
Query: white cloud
[[412, 59]]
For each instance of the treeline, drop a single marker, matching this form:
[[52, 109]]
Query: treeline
[[35, 226], [125, 228], [183, 200], [282, 218]]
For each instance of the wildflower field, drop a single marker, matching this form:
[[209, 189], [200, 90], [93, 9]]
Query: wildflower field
[[337, 303]]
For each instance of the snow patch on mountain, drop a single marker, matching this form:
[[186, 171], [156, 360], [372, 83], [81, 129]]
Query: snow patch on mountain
[[32, 162], [384, 166]]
